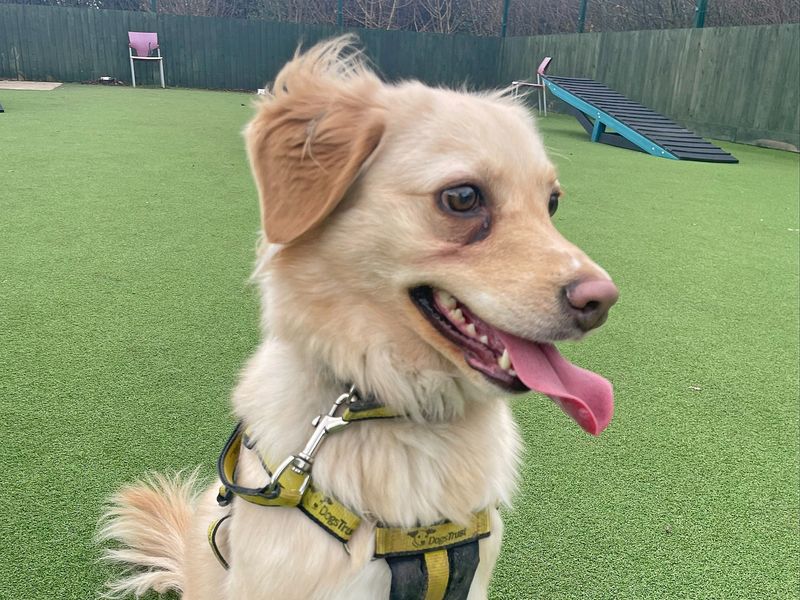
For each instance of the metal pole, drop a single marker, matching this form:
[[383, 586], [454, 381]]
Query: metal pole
[[504, 22], [582, 16], [700, 13], [339, 15]]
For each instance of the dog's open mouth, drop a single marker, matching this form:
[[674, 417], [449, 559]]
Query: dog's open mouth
[[516, 364]]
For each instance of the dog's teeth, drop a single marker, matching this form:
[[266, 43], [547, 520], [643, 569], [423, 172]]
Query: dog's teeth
[[471, 330], [504, 361], [512, 372], [484, 340], [457, 315], [445, 299]]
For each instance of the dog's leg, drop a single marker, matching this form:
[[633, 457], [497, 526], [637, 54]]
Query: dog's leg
[[489, 551], [280, 553]]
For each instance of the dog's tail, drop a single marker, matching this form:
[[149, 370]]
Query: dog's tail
[[150, 520]]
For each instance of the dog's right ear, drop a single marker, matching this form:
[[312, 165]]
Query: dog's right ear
[[311, 138]]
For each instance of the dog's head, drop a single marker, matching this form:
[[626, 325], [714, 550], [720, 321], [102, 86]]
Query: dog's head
[[412, 248]]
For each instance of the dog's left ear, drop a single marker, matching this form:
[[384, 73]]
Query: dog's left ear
[[308, 144]]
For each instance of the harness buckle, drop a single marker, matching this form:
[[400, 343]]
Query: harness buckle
[[299, 465], [295, 482]]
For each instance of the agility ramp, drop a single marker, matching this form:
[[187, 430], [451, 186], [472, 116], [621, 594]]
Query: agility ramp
[[634, 126]]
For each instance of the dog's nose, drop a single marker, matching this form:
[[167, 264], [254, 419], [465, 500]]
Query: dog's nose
[[589, 301]]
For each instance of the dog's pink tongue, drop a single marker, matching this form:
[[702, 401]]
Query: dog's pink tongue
[[583, 395]]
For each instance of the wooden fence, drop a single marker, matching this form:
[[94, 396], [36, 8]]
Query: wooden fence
[[738, 83], [732, 83], [75, 44]]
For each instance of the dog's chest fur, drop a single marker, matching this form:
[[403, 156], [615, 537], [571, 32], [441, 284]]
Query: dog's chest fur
[[397, 472], [391, 471]]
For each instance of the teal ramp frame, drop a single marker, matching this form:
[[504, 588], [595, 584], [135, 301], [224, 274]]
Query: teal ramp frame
[[602, 120], [632, 125]]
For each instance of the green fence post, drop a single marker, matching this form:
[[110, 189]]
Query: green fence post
[[700, 13], [339, 15], [504, 22], [582, 16], [154, 5]]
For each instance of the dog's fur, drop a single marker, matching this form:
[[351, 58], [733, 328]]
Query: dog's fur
[[349, 170]]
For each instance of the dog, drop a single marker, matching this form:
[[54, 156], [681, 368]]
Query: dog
[[411, 276]]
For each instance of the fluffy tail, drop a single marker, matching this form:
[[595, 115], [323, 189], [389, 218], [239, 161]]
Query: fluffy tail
[[150, 520]]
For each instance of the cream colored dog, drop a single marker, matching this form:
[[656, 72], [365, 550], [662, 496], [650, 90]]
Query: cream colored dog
[[409, 251]]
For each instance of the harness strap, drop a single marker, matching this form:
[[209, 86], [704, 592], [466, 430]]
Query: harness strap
[[435, 562], [333, 516], [439, 559], [286, 493], [368, 408], [437, 575], [213, 529], [398, 541], [291, 485]]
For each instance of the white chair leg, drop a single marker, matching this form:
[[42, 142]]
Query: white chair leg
[[544, 99], [133, 73], [161, 67], [539, 88]]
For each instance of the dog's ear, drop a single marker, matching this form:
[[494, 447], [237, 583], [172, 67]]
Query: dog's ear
[[311, 138]]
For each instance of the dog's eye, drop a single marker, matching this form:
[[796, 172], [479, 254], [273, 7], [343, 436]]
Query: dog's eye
[[461, 199], [552, 205]]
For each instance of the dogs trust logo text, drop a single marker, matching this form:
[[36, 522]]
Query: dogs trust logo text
[[334, 522], [427, 538]]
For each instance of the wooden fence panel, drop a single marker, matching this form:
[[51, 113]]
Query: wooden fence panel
[[76, 44], [734, 83], [737, 83]]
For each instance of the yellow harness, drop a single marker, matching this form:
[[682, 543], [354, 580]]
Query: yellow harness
[[432, 562]]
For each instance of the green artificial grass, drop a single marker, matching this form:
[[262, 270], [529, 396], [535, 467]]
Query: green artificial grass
[[127, 231]]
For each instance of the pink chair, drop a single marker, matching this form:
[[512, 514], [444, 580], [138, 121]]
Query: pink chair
[[144, 44], [539, 86]]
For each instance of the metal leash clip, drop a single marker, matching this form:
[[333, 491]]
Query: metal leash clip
[[323, 425]]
